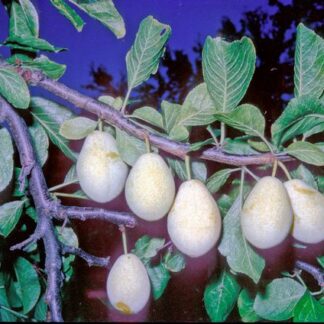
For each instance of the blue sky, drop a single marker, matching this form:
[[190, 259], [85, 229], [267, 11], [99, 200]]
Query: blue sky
[[190, 20]]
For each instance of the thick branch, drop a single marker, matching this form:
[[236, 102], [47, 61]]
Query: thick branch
[[115, 118], [46, 208]]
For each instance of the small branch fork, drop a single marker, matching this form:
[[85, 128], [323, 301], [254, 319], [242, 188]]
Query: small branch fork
[[49, 209]]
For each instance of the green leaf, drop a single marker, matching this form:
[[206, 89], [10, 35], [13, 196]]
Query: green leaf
[[259, 146], [105, 12], [220, 297], [149, 115], [306, 152], [246, 118], [278, 301], [198, 145], [170, 114], [239, 254], [237, 146], [321, 261], [147, 247], [31, 42], [50, 68], [198, 107], [228, 69], [301, 115], [143, 58], [6, 158], [159, 277], [245, 307], [41, 310], [320, 183], [51, 115], [305, 175], [14, 88], [116, 103], [308, 310], [5, 316], [23, 19], [71, 175], [9, 216], [40, 141], [218, 179], [69, 13], [179, 133], [67, 236], [129, 147], [309, 67], [174, 262], [199, 169], [28, 283], [77, 128]]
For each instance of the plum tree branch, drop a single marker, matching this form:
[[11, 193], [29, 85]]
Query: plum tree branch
[[115, 118], [47, 208]]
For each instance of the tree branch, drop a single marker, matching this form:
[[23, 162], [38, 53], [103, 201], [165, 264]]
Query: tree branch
[[90, 259], [47, 208], [115, 118], [316, 272]]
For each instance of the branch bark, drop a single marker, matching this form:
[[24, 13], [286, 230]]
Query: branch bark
[[47, 208], [115, 118]]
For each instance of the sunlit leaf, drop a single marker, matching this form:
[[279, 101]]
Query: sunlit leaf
[[40, 141], [306, 152], [50, 116], [174, 262], [150, 115], [77, 128], [218, 179], [147, 247], [69, 13], [129, 147], [220, 297], [9, 216], [6, 158], [14, 88], [239, 254], [228, 69], [198, 107], [198, 168], [143, 58], [309, 66], [278, 301], [246, 118], [300, 115], [23, 19], [31, 42], [105, 12], [237, 146], [50, 68]]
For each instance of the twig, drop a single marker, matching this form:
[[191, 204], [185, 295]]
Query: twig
[[90, 259], [316, 272]]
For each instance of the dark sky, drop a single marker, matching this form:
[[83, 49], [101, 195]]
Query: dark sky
[[190, 20]]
